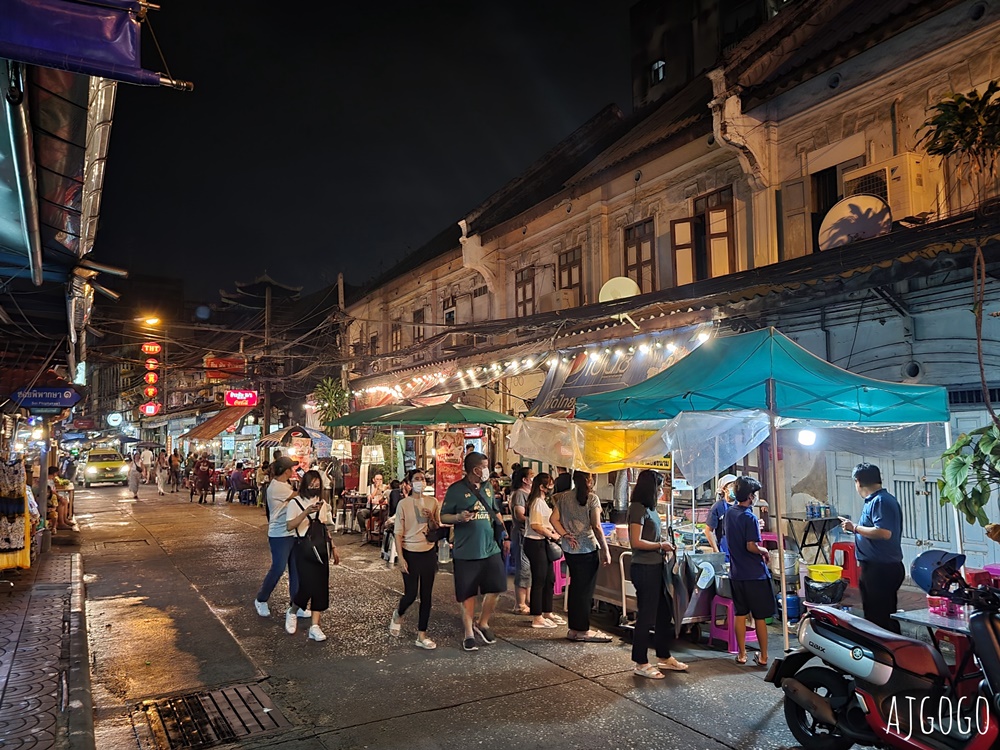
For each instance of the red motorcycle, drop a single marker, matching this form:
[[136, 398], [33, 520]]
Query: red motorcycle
[[852, 682]]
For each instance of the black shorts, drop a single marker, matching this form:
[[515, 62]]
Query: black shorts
[[753, 598], [486, 576]]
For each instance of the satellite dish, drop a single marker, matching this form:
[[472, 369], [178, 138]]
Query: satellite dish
[[619, 287], [859, 217]]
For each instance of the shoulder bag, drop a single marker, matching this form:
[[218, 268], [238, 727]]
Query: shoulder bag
[[499, 530], [312, 541]]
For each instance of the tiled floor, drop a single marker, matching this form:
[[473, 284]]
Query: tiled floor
[[34, 653]]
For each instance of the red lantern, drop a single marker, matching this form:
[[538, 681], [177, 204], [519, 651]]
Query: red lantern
[[150, 391], [150, 408], [151, 378], [151, 347], [152, 364]]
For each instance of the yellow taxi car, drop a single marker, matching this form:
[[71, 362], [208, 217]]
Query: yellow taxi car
[[102, 466]]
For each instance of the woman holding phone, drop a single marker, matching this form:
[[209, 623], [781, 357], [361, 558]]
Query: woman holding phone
[[310, 518]]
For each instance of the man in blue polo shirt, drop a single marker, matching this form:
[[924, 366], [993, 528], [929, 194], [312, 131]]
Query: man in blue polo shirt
[[748, 572], [878, 545]]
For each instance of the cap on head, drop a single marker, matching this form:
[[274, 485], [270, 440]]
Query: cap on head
[[281, 465]]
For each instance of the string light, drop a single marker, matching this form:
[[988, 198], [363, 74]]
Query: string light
[[703, 337], [643, 348]]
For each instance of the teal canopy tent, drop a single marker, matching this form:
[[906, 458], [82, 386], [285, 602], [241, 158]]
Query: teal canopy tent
[[365, 416], [766, 370], [763, 375], [445, 414]]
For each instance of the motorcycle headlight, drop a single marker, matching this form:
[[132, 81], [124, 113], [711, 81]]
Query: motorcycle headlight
[[91, 469], [123, 470]]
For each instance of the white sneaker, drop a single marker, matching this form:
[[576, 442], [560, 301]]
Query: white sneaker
[[291, 622], [316, 634], [262, 609], [305, 613]]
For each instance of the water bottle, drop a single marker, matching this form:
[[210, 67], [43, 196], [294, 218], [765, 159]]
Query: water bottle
[[444, 552]]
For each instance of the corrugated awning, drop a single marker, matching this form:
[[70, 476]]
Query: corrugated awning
[[215, 426]]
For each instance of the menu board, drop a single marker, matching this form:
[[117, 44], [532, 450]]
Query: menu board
[[449, 455]]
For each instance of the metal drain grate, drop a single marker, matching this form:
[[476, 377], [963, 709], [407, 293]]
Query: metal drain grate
[[209, 719]]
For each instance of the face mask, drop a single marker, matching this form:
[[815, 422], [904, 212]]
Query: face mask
[[731, 495], [418, 488], [484, 474]]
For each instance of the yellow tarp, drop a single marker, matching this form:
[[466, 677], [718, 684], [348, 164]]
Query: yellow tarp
[[597, 447]]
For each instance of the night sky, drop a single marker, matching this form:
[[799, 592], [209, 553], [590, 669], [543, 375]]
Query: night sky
[[325, 136]]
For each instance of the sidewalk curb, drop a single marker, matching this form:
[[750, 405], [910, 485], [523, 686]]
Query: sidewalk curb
[[79, 705]]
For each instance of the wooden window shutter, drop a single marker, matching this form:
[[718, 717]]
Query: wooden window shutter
[[682, 240], [796, 206]]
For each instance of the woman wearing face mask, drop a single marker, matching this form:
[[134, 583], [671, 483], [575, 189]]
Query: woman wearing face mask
[[310, 518], [724, 499], [417, 556], [540, 531]]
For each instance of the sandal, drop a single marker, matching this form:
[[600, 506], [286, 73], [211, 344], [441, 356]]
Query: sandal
[[556, 619], [425, 643], [673, 665], [519, 610], [544, 624], [741, 661], [757, 661], [648, 671]]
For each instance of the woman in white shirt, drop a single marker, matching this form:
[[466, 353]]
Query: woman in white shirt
[[309, 518], [536, 538], [417, 556]]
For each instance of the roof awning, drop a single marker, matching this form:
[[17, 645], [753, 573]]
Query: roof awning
[[215, 426]]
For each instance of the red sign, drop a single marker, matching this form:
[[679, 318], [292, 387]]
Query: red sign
[[151, 378], [473, 432], [241, 398], [150, 408], [152, 363], [150, 391], [83, 424], [151, 347], [224, 368]]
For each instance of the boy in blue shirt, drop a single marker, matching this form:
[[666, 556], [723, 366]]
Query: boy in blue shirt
[[748, 572]]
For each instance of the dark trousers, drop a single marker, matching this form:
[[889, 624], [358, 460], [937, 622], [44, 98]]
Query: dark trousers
[[420, 579], [880, 584], [582, 580], [653, 613], [543, 577]]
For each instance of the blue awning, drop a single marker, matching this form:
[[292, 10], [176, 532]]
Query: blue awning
[[736, 373], [98, 38]]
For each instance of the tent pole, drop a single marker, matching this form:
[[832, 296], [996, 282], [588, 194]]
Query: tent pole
[[954, 510], [778, 508]]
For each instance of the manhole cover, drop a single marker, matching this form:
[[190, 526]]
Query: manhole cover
[[120, 542], [209, 719]]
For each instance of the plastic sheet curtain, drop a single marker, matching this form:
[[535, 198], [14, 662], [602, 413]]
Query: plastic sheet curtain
[[94, 38]]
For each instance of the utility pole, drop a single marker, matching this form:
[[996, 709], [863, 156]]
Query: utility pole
[[343, 329], [266, 384]]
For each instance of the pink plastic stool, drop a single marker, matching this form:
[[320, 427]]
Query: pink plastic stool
[[562, 577], [726, 631], [769, 536]]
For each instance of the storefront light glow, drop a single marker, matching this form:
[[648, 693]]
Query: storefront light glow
[[594, 356], [36, 434], [807, 438], [643, 348], [671, 347], [618, 352], [703, 337]]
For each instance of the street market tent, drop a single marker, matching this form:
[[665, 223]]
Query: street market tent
[[212, 427], [322, 443], [445, 414], [365, 416], [742, 380], [595, 447]]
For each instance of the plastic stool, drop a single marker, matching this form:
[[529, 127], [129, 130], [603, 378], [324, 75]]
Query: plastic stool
[[849, 563], [726, 632], [562, 577]]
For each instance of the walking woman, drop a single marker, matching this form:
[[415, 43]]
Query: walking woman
[[536, 539], [310, 519], [415, 515], [647, 573], [521, 487], [136, 472], [162, 472], [576, 517]]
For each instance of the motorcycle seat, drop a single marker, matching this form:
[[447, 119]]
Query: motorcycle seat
[[910, 654]]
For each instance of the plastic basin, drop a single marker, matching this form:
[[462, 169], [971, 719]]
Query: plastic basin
[[825, 573]]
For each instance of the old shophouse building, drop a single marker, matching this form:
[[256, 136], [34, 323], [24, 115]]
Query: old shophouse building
[[711, 198]]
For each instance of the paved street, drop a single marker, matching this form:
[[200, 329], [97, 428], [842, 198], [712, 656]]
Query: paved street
[[169, 592]]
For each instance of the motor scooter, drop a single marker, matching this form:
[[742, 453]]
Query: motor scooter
[[853, 682]]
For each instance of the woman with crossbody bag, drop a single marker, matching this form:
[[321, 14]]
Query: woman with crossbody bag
[[417, 518], [310, 518]]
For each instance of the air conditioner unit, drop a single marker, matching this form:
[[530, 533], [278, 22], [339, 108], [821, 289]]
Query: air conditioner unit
[[900, 181], [561, 299]]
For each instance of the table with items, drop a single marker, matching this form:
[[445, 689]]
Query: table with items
[[347, 512], [818, 527]]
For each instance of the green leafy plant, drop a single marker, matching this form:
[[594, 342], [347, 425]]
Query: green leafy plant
[[966, 127], [971, 471], [331, 399]]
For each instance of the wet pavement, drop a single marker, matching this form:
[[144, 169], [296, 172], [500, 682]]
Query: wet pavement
[[170, 586]]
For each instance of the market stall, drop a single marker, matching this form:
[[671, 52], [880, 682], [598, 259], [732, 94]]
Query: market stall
[[747, 386]]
